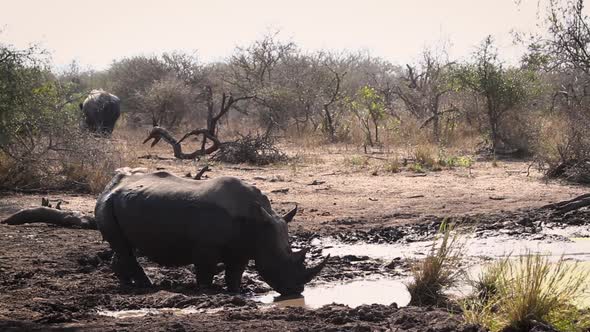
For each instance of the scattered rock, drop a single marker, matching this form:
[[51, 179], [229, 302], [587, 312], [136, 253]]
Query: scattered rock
[[354, 258], [280, 191]]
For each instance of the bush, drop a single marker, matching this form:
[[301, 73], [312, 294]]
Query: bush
[[257, 150], [456, 161], [75, 160]]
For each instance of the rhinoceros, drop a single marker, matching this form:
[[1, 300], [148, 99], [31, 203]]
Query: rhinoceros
[[177, 221], [101, 111]]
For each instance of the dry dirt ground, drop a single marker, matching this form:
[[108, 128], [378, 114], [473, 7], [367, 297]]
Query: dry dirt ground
[[55, 278]]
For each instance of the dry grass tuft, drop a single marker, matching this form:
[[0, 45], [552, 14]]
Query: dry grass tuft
[[393, 165], [439, 270], [516, 294], [426, 155]]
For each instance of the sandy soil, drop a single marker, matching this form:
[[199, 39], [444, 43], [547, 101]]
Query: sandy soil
[[57, 278], [335, 185]]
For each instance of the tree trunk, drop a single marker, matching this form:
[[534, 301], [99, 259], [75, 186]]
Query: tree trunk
[[436, 127], [493, 124], [329, 124], [376, 124], [376, 133]]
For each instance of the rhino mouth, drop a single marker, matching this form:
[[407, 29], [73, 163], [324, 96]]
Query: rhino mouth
[[292, 292], [287, 284]]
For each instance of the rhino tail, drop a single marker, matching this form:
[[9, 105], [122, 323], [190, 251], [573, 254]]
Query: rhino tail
[[109, 226]]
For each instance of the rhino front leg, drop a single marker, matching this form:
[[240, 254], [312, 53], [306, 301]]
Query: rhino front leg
[[233, 274], [204, 271], [205, 265]]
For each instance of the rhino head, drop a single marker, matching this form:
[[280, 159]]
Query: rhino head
[[280, 267]]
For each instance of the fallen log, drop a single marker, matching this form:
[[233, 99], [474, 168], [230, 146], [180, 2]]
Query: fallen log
[[569, 205], [159, 133], [67, 219]]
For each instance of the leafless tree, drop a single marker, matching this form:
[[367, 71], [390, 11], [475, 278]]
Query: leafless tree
[[423, 89]]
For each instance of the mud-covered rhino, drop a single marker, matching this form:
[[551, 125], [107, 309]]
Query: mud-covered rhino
[[175, 221]]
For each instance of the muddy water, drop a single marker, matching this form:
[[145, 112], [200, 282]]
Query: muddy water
[[572, 243], [352, 294], [153, 311]]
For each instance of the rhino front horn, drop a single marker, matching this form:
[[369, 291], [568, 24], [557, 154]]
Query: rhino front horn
[[300, 255], [289, 216], [314, 271]]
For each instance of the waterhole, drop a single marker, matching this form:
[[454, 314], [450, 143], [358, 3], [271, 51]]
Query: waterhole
[[352, 294], [475, 248]]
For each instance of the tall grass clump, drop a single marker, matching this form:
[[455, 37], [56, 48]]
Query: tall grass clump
[[515, 295], [439, 270], [425, 155]]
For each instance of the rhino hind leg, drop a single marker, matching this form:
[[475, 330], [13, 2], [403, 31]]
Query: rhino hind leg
[[128, 270], [124, 262]]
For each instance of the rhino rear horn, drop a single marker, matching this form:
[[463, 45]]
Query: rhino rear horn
[[310, 273], [262, 212], [289, 216]]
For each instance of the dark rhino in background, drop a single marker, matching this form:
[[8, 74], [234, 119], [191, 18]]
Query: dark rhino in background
[[101, 111], [175, 222]]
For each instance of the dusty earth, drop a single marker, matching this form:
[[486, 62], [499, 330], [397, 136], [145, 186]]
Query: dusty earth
[[56, 278]]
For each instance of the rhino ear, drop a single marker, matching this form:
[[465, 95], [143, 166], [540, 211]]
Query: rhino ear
[[289, 216], [261, 214]]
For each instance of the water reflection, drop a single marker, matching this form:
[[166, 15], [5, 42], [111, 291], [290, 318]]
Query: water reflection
[[352, 294]]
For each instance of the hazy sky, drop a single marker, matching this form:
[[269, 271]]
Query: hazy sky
[[95, 33]]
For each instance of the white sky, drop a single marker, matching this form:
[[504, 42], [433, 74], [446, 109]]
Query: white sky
[[95, 33]]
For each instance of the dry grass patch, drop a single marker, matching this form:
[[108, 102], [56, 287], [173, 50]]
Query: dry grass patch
[[77, 161]]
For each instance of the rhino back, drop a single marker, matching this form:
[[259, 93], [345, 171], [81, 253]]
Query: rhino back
[[171, 219], [228, 193]]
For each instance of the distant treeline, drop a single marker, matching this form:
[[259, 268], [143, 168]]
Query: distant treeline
[[538, 108]]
